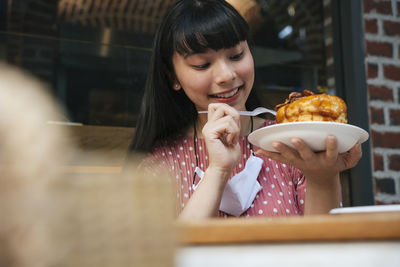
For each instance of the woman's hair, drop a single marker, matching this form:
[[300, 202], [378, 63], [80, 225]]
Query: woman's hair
[[189, 26]]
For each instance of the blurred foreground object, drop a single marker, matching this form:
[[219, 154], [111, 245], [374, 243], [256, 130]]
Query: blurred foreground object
[[50, 217]]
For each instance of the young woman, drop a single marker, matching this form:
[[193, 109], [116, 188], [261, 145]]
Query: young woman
[[202, 62]]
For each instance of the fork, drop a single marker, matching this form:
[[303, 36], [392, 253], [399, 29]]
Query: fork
[[254, 112]]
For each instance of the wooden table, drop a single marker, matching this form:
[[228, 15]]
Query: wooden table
[[371, 239]]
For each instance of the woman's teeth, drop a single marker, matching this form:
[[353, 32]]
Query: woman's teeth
[[227, 95]]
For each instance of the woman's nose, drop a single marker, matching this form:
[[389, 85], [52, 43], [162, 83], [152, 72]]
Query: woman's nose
[[224, 73]]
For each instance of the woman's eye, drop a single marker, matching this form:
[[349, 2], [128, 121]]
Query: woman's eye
[[201, 67], [237, 56]]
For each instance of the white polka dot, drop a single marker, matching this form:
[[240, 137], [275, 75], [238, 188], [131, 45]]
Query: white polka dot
[[278, 201], [183, 163], [185, 141], [248, 146], [240, 165], [200, 148], [267, 169], [192, 165], [274, 176], [185, 178], [170, 152], [206, 157], [272, 186], [275, 210], [183, 205], [269, 194], [244, 156], [290, 201], [264, 178], [181, 148], [284, 165], [173, 167], [177, 176], [186, 156], [188, 172], [301, 201], [265, 202], [190, 148], [287, 211], [201, 165], [190, 188], [277, 166], [290, 183], [178, 156], [260, 212], [269, 159], [186, 195], [281, 194], [283, 175], [175, 161], [163, 154], [252, 205], [283, 184]]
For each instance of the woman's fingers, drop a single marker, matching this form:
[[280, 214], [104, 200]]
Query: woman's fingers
[[217, 111], [303, 149], [331, 153]]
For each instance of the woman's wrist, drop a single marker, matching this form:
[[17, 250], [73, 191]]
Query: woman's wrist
[[221, 172]]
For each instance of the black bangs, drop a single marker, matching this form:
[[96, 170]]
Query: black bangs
[[207, 27]]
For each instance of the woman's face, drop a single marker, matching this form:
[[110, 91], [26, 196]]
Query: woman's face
[[222, 76]]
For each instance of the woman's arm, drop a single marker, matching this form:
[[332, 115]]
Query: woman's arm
[[321, 170], [221, 135]]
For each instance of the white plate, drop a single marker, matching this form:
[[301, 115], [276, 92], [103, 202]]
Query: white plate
[[364, 209], [313, 133]]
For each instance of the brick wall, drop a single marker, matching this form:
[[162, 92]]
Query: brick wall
[[382, 45]]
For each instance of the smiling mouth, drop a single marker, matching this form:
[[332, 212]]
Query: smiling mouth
[[227, 95]]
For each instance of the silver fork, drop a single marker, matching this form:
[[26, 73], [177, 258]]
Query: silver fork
[[254, 112]]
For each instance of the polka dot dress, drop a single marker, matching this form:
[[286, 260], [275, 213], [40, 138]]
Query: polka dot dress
[[283, 186]]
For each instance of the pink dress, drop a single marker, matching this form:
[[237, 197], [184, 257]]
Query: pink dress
[[283, 186]]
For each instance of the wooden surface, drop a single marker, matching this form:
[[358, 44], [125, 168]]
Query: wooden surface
[[372, 226]]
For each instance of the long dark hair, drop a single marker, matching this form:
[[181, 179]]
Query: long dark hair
[[189, 26]]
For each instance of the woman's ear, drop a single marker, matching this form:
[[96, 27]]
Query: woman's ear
[[176, 85]]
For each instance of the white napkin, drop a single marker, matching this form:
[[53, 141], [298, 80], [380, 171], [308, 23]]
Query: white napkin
[[241, 190]]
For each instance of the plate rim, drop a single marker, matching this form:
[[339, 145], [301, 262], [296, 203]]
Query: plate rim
[[363, 134]]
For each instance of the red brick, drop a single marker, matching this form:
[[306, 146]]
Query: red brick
[[371, 26], [377, 116], [385, 185], [385, 139], [381, 7], [395, 117], [372, 71], [391, 72], [391, 28], [380, 93], [379, 49], [394, 162], [378, 162]]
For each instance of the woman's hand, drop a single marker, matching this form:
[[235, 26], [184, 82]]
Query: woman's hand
[[317, 167], [320, 169], [221, 134]]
